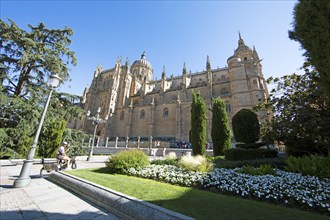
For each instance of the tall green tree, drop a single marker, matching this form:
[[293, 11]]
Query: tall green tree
[[311, 27], [220, 130], [30, 56], [198, 124], [51, 138], [301, 115], [27, 58], [18, 120], [77, 140]]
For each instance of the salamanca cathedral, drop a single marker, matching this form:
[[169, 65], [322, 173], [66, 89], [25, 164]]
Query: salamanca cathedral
[[139, 106]]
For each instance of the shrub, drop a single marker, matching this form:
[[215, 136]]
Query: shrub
[[195, 163], [249, 154], [262, 170], [250, 145], [122, 161], [278, 163], [212, 159], [309, 165], [298, 147], [173, 162], [246, 127]]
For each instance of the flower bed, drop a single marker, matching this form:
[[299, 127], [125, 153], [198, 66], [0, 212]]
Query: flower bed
[[307, 192]]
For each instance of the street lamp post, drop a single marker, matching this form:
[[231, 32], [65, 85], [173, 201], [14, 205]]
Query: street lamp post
[[24, 177], [95, 120]]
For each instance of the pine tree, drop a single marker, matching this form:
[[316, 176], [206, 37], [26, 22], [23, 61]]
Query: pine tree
[[198, 124], [220, 130], [31, 56]]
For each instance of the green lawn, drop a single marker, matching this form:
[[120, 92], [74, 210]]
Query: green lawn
[[191, 202]]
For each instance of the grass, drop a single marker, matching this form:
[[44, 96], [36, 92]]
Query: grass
[[195, 203]]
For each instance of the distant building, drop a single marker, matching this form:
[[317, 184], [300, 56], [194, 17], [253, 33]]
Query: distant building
[[137, 105]]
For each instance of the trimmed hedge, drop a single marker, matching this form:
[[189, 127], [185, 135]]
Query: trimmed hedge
[[249, 154], [245, 126], [231, 164], [173, 162], [250, 146]]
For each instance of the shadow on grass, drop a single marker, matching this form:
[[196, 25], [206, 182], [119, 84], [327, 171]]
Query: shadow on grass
[[105, 170], [200, 204]]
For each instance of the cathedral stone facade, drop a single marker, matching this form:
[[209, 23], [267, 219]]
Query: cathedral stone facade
[[139, 106]]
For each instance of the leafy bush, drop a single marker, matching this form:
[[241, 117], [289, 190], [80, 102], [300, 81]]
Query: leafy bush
[[250, 145], [246, 127], [122, 161], [278, 163], [173, 162], [309, 165], [298, 147], [195, 163], [249, 154], [7, 153], [212, 159], [262, 170]]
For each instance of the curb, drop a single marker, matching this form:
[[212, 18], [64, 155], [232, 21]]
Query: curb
[[122, 205]]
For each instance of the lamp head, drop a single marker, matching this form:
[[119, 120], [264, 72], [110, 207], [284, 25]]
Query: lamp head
[[54, 80]]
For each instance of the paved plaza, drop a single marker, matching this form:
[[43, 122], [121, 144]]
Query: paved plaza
[[43, 199]]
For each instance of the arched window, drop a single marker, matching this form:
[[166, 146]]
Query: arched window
[[122, 115], [165, 112], [224, 91], [142, 114], [223, 78]]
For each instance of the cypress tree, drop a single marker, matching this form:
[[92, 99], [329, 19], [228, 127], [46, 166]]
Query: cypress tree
[[51, 137], [220, 131], [198, 124]]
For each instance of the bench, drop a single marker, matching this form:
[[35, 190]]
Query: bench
[[154, 151]]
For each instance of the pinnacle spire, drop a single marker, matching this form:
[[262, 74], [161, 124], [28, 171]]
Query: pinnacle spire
[[143, 56], [184, 70], [208, 64], [164, 72], [240, 40]]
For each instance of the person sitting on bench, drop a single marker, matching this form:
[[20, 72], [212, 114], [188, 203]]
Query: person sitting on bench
[[61, 155]]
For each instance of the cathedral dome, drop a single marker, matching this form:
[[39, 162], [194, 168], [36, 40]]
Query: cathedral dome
[[242, 48], [142, 62]]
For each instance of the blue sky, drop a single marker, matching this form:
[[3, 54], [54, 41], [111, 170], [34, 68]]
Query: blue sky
[[171, 33]]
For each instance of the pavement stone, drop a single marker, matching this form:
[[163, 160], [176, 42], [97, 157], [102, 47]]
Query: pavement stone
[[42, 199]]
